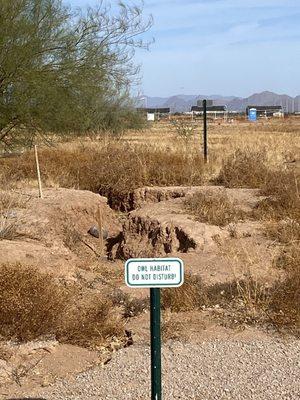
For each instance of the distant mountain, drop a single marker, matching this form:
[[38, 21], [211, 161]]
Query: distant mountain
[[264, 99], [183, 103]]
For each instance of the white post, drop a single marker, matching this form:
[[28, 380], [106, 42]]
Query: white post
[[100, 224], [38, 172]]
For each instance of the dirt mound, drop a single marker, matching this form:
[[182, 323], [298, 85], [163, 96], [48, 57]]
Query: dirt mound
[[162, 226], [52, 232]]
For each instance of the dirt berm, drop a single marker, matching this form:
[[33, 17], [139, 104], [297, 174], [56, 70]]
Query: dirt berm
[[161, 225], [52, 233]]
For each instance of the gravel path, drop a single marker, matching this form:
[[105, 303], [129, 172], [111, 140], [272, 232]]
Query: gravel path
[[227, 369]]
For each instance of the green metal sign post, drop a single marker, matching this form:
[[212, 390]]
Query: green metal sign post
[[155, 344], [154, 273]]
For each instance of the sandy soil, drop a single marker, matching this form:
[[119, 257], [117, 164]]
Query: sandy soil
[[52, 234]]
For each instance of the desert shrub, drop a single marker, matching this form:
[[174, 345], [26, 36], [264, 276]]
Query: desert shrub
[[242, 301], [283, 201], [289, 257], [245, 168], [190, 296], [89, 321], [34, 304], [131, 306], [8, 227], [285, 301], [213, 208], [30, 303], [135, 306], [112, 170], [286, 231], [8, 216], [184, 130], [66, 70]]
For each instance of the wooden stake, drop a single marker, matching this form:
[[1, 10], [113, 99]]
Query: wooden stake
[[100, 225], [38, 171]]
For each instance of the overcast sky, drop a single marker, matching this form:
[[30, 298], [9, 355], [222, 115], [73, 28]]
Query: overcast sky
[[227, 47]]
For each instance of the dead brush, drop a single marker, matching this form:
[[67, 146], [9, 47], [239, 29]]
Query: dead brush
[[244, 168], [283, 201], [213, 208], [34, 304], [289, 257], [9, 204], [131, 306], [71, 237], [30, 303], [285, 301], [171, 328], [90, 321], [112, 169], [285, 232], [190, 296], [253, 298]]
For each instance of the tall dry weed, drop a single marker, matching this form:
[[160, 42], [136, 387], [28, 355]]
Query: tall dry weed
[[34, 304], [214, 208], [190, 296], [31, 303], [285, 301], [283, 197], [244, 168], [10, 203], [113, 169]]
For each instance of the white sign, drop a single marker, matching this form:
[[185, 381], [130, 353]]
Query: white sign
[[152, 272], [150, 117]]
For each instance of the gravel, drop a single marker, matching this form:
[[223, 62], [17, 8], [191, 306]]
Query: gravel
[[219, 369]]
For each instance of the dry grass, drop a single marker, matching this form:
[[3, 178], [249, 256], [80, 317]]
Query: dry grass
[[285, 232], [112, 169], [33, 304], [155, 157], [9, 221], [283, 201], [89, 320], [190, 296], [213, 208], [282, 210], [253, 299], [245, 168], [30, 303], [241, 155], [285, 300], [247, 300], [289, 258]]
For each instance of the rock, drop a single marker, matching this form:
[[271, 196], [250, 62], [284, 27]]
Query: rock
[[94, 231]]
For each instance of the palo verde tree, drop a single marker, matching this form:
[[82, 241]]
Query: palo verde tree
[[63, 70]]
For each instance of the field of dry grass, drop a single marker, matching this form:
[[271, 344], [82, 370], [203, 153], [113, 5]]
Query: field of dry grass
[[151, 155], [263, 155]]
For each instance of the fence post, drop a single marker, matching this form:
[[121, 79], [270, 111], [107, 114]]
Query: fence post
[[205, 131], [38, 171]]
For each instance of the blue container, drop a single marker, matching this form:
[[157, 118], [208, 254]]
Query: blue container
[[252, 115]]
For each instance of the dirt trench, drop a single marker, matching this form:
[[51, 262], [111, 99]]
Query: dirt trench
[[161, 226]]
